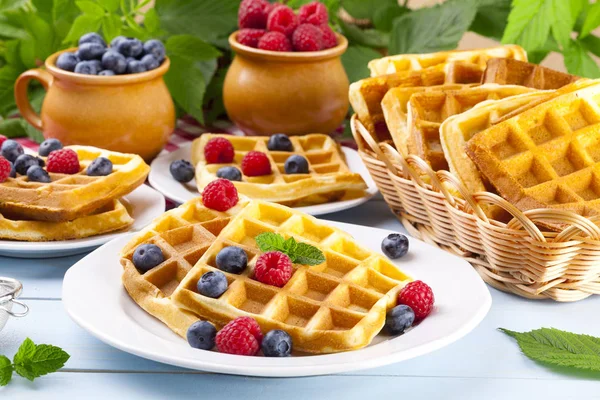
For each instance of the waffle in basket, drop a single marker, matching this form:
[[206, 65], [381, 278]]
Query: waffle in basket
[[329, 178], [505, 71]]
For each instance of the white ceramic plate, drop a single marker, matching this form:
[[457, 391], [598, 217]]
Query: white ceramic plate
[[145, 204], [95, 298], [160, 178]]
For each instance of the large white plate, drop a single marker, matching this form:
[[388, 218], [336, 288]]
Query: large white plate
[[144, 203], [160, 178], [95, 298]]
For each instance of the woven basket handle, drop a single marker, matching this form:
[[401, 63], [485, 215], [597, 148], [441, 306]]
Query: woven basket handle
[[448, 178], [406, 169], [577, 223], [360, 132]]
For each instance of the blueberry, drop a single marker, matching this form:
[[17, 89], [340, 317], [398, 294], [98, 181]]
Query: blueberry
[[115, 41], [276, 343], [296, 165], [48, 146], [67, 61], [150, 62], [201, 335], [229, 173], [147, 256], [395, 245], [212, 284], [92, 37], [135, 67], [24, 161], [101, 166], [156, 48], [90, 51], [13, 171], [232, 259], [399, 319], [86, 68], [38, 174], [113, 61], [130, 47], [129, 59], [106, 72], [97, 64], [182, 171], [280, 142], [11, 150]]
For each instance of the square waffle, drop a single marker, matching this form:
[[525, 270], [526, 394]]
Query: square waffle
[[68, 197], [416, 62], [109, 218], [505, 71], [329, 178], [336, 306]]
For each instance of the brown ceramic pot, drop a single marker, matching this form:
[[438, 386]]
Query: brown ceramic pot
[[268, 92], [126, 113]]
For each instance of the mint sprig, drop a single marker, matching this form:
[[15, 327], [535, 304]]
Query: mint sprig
[[555, 347], [299, 253], [32, 361]]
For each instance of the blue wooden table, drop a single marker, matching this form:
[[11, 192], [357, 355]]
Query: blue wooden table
[[483, 365]]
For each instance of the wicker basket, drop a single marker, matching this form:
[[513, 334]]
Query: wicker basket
[[515, 257]]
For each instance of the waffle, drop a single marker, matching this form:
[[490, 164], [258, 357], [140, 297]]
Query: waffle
[[68, 197], [505, 71], [416, 62], [329, 178], [547, 156], [108, 218], [427, 111]]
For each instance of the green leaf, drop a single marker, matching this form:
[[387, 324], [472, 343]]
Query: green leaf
[[12, 128], [191, 48], [362, 9], [269, 241], [82, 25], [579, 62], [365, 37], [563, 20], [529, 23], [111, 26], [299, 253], [355, 61], [47, 359], [306, 254], [12, 32], [187, 85], [592, 44], [8, 75], [383, 18], [290, 245], [64, 13], [111, 6], [151, 21], [491, 18], [7, 5], [432, 29], [90, 8], [592, 20], [556, 347], [6, 370], [25, 352], [32, 133]]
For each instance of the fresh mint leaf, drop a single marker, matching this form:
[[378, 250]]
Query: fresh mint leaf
[[82, 25], [269, 241], [90, 8], [355, 61], [6, 370], [290, 246], [47, 359], [529, 23], [579, 62], [299, 253], [306, 254], [491, 18], [591, 21], [25, 352]]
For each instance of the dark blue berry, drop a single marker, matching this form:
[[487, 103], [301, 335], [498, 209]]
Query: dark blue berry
[[156, 48], [11, 150], [201, 335], [280, 142], [38, 174], [13, 171], [135, 67], [182, 171], [276, 343], [149, 62], [48, 146], [106, 72], [101, 166], [113, 61], [115, 41], [67, 61], [24, 161], [86, 68], [212, 284], [296, 165], [92, 37], [232, 259], [395, 245], [97, 64], [129, 59], [90, 51], [147, 256], [229, 173], [130, 47], [399, 319]]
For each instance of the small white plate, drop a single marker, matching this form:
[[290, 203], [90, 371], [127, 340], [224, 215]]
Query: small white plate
[[160, 178], [145, 204], [96, 300]]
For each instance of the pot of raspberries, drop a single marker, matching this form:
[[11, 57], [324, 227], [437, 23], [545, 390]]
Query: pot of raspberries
[[287, 74], [108, 95]]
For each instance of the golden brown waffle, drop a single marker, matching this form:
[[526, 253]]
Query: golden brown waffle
[[416, 62], [68, 197], [547, 156], [505, 71], [329, 178], [108, 218], [427, 111], [336, 306]]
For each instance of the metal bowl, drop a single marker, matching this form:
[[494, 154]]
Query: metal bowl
[[10, 289]]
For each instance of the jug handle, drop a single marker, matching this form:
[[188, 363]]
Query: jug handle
[[21, 98]]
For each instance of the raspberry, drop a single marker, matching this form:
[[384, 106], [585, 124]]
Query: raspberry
[[418, 296], [256, 163], [282, 19], [5, 167], [2, 139], [273, 268], [307, 38], [250, 37], [241, 336], [253, 14], [274, 41], [63, 161], [313, 13], [220, 195], [329, 38], [218, 151]]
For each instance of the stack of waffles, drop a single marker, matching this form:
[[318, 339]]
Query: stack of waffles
[[71, 206]]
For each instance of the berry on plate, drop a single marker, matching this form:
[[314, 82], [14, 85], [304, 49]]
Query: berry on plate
[[256, 163], [147, 256], [395, 245], [67, 61], [5, 169], [48, 146], [11, 150], [212, 284], [232, 259], [296, 165], [242, 336], [24, 161], [280, 142], [229, 173], [307, 37], [63, 161], [201, 335], [220, 195], [36, 173], [250, 37], [273, 268], [314, 13], [218, 151], [418, 296], [253, 14], [282, 19], [328, 38], [274, 41], [101, 166], [182, 170], [399, 319], [277, 343]]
